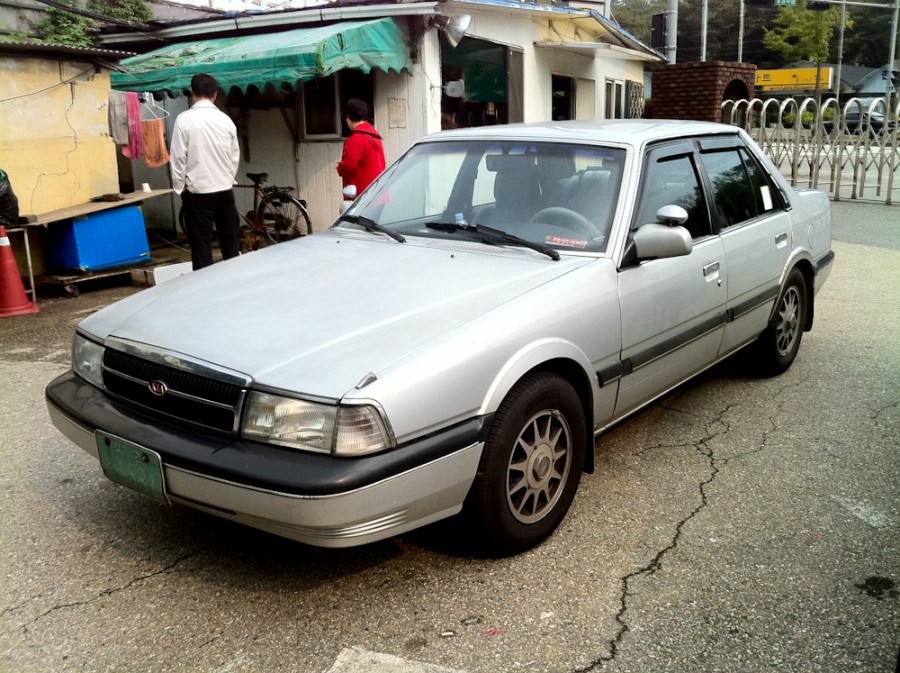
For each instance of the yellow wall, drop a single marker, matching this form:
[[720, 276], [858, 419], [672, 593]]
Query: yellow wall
[[54, 132]]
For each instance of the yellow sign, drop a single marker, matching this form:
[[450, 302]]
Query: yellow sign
[[789, 79]]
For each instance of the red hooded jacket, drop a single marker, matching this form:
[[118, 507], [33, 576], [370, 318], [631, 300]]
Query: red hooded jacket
[[363, 157]]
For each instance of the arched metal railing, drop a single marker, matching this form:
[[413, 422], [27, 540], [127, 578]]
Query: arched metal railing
[[850, 150]]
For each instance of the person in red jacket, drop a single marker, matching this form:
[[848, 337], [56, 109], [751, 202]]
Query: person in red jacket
[[363, 156]]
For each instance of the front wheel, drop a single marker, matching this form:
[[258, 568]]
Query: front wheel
[[283, 216], [778, 345], [530, 467]]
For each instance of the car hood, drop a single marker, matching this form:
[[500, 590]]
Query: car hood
[[318, 314]]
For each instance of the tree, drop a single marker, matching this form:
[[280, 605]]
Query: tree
[[868, 43], [722, 21], [64, 27], [75, 28], [803, 35], [124, 10], [634, 16]]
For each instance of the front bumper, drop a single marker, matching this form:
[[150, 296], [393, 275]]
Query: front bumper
[[315, 499]]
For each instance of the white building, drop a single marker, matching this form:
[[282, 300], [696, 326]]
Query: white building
[[517, 61]]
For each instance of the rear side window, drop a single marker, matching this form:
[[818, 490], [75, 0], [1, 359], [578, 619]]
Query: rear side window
[[740, 188]]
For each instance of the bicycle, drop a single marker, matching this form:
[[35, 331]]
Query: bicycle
[[277, 215]]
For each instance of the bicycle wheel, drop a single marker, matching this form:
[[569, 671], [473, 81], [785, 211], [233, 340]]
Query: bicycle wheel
[[182, 221], [283, 216]]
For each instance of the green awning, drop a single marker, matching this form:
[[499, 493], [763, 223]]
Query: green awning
[[274, 58]]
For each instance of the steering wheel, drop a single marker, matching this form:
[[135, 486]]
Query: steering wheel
[[566, 217]]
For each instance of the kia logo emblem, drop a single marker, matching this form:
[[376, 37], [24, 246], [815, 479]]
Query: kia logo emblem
[[158, 388]]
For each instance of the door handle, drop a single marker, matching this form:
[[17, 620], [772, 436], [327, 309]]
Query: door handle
[[781, 239], [710, 268]]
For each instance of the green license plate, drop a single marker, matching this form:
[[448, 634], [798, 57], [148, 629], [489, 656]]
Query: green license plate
[[131, 465]]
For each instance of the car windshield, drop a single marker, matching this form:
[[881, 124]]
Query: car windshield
[[558, 196]]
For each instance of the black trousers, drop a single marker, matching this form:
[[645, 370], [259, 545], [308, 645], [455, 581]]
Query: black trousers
[[206, 212]]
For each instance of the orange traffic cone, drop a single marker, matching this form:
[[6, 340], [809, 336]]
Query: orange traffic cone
[[13, 300]]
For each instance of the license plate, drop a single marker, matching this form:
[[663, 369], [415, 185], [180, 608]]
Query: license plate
[[131, 465]]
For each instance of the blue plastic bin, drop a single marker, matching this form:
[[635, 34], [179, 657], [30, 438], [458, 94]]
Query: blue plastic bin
[[97, 241]]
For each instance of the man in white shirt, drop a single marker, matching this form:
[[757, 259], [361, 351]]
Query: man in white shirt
[[204, 161]]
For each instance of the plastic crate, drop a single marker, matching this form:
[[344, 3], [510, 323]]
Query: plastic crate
[[97, 241]]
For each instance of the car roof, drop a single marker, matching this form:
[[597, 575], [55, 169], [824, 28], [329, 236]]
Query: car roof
[[635, 132]]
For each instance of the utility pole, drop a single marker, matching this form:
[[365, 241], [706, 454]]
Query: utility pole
[[740, 58], [703, 19], [891, 57], [672, 29], [837, 86]]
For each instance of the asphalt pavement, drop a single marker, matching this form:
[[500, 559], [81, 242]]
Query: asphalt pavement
[[738, 525]]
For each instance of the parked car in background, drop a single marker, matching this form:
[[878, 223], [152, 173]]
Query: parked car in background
[[453, 344], [856, 122]]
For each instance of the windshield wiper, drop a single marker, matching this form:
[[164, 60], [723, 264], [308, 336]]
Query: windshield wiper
[[491, 235], [372, 226]]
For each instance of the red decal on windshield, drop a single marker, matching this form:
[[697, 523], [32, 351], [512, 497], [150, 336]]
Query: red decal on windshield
[[568, 242]]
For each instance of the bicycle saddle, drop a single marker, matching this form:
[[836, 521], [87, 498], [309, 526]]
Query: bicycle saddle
[[258, 178]]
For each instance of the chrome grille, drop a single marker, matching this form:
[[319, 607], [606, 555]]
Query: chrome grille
[[190, 397]]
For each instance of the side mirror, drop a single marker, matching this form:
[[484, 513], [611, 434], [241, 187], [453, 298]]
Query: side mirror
[[662, 240], [672, 215], [349, 193]]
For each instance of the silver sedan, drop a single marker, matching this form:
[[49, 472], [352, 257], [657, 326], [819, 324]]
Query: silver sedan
[[453, 344]]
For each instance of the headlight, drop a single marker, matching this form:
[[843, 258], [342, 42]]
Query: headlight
[[87, 360], [343, 431]]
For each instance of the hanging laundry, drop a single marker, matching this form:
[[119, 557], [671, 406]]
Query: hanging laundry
[[118, 118], [135, 147], [155, 152]]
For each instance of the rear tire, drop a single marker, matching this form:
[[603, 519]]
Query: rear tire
[[530, 467], [283, 216], [777, 346]]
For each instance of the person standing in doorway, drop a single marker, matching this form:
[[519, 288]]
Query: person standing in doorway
[[363, 156], [204, 161]]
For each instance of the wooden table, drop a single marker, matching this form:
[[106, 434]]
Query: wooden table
[[69, 213]]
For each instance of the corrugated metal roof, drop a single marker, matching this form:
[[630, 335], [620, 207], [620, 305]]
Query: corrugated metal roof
[[65, 50]]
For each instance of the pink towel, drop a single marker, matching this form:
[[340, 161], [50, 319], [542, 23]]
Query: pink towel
[[135, 147]]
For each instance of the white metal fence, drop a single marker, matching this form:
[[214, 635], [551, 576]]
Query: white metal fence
[[851, 150]]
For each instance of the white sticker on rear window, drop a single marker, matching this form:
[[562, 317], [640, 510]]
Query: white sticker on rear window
[[767, 197]]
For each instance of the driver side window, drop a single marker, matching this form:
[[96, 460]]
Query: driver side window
[[673, 180]]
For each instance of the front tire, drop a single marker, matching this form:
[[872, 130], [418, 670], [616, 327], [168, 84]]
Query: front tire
[[530, 467], [778, 345]]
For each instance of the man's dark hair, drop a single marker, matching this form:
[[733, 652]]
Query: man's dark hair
[[203, 85], [357, 110]]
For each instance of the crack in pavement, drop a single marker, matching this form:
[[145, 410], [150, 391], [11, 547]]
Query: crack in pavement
[[109, 592], [881, 411], [702, 446]]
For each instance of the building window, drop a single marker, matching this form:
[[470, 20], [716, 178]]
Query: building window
[[323, 101], [487, 84], [320, 117], [615, 99]]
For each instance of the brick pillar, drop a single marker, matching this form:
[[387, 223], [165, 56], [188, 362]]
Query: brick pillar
[[696, 90]]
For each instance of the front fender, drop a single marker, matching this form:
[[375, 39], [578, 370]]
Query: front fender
[[567, 359], [530, 357]]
